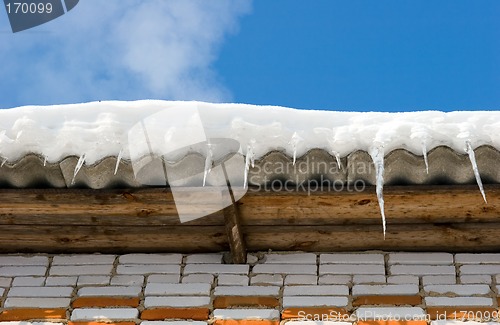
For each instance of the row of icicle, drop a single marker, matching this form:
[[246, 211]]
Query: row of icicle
[[376, 153]]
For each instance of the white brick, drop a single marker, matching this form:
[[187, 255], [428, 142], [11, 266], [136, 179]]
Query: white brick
[[384, 289], [352, 258], [173, 322], [127, 280], [295, 258], [16, 260], [246, 314], [110, 291], [370, 313], [61, 281], [22, 270], [204, 259], [232, 280], [438, 279], [300, 279], [26, 302], [422, 269], [216, 269], [40, 292], [93, 280], [150, 259], [182, 289], [351, 269], [148, 268], [334, 279], [28, 281], [247, 291], [367, 278], [285, 269], [267, 279], [480, 269], [202, 278], [317, 290], [164, 278], [81, 269], [458, 289], [476, 278], [477, 258], [5, 282], [420, 258], [314, 301], [104, 314], [458, 301], [2, 290], [190, 301], [403, 279], [84, 259]]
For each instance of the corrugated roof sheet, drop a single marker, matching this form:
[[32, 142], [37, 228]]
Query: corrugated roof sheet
[[445, 166]]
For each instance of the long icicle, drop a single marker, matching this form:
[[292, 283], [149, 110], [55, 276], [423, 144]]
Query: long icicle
[[472, 158], [208, 162], [426, 161], [294, 142], [79, 165], [377, 154], [118, 159], [249, 159]]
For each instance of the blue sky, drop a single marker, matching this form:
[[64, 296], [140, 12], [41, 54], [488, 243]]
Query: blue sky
[[388, 55]]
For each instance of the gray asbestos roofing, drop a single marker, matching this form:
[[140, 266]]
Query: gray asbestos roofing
[[445, 166]]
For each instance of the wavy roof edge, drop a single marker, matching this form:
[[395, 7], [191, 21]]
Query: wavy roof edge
[[401, 167]]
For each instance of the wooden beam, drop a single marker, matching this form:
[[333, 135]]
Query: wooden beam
[[418, 218], [451, 237]]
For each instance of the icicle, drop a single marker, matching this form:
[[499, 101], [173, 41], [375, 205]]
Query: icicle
[[377, 154], [337, 157], [3, 162], [472, 158], [250, 158], [118, 159], [208, 163], [44, 161], [424, 151], [79, 165], [294, 142]]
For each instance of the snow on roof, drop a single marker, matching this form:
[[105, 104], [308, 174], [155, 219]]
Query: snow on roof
[[101, 129]]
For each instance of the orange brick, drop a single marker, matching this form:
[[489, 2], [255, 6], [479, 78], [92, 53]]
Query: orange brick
[[460, 312], [101, 323], [387, 300], [245, 301], [32, 313], [246, 322], [334, 313], [179, 313], [393, 322], [105, 302]]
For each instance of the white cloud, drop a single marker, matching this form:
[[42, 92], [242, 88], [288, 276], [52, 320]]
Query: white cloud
[[121, 49]]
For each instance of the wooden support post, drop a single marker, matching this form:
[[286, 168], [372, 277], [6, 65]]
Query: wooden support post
[[234, 235], [233, 227]]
